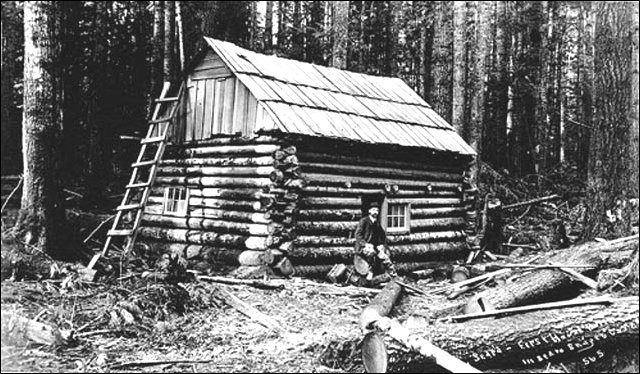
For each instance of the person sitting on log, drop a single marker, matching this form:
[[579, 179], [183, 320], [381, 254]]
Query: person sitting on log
[[371, 246]]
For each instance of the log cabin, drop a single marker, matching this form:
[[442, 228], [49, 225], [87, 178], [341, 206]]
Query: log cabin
[[268, 157]]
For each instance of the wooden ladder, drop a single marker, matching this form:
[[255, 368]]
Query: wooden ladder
[[138, 190]]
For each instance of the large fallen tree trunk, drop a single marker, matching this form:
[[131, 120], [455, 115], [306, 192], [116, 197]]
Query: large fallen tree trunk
[[586, 333], [555, 284], [15, 326]]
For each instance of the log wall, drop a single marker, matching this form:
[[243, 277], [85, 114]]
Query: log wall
[[303, 198], [233, 204], [338, 175]]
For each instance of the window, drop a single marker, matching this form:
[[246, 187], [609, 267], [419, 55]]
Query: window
[[176, 201], [398, 217]]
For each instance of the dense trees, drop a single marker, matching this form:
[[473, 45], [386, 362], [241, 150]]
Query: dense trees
[[534, 84]]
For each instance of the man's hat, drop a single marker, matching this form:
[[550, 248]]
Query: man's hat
[[374, 204]]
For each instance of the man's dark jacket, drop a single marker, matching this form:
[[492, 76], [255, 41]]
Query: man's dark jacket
[[369, 232]]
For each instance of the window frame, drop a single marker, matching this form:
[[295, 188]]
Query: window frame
[[406, 228], [179, 211]]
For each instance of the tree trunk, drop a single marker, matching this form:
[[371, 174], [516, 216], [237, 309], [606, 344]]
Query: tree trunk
[[613, 175], [73, 138], [42, 217], [634, 110], [550, 285], [458, 113], [158, 51], [478, 97], [441, 61], [585, 100], [297, 39], [496, 140], [253, 24], [284, 28], [268, 28], [169, 27], [96, 168], [393, 39], [313, 43], [340, 34], [180, 35]]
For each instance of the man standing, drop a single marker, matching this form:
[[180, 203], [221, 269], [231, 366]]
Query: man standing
[[371, 245]]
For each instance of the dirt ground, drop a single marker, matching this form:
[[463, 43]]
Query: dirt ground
[[311, 316]]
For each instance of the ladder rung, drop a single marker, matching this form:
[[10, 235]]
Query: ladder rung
[[167, 99], [156, 139], [126, 232], [138, 185], [143, 163], [129, 207], [161, 120]]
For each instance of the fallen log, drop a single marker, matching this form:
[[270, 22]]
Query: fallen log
[[250, 311], [374, 354], [603, 300], [266, 285], [530, 202], [285, 268], [549, 284], [542, 337], [380, 306], [14, 325], [373, 317]]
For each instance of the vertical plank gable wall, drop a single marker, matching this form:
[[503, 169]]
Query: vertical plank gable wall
[[216, 102]]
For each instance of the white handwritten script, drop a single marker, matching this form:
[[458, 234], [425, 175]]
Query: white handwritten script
[[581, 342]]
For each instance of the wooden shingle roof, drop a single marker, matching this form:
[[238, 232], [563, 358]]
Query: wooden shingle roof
[[308, 99]]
